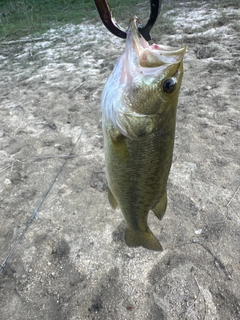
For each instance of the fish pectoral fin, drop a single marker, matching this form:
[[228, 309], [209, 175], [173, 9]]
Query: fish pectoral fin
[[142, 239], [135, 125], [160, 207], [112, 200], [114, 134]]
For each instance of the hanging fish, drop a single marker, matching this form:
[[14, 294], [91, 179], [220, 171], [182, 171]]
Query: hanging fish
[[139, 105]]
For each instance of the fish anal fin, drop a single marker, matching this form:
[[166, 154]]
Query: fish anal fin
[[112, 200], [160, 207], [142, 239]]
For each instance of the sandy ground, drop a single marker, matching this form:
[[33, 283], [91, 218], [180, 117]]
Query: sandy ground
[[72, 262]]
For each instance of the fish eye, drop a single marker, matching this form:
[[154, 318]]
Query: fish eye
[[169, 85]]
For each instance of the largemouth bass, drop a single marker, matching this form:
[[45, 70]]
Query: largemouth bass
[[139, 105]]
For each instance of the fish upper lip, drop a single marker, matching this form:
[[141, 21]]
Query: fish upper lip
[[140, 44]]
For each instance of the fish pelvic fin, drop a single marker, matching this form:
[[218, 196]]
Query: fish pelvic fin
[[142, 239], [160, 207], [112, 200]]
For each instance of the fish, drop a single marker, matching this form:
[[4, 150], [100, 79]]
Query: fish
[[139, 103]]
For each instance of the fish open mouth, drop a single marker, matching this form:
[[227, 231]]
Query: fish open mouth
[[144, 79], [154, 55]]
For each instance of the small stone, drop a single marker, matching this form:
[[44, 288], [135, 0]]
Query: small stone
[[7, 183]]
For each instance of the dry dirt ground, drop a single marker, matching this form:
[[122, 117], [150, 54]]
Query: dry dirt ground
[[72, 262]]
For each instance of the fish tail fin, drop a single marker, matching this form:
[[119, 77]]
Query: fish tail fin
[[145, 239]]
